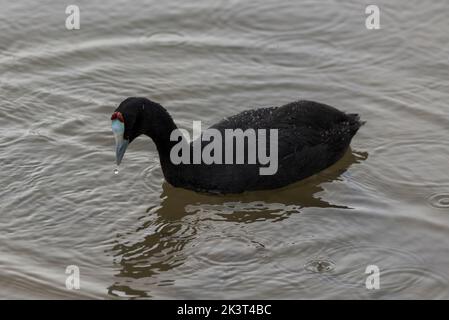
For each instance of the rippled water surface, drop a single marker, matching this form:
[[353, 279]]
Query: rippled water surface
[[386, 203]]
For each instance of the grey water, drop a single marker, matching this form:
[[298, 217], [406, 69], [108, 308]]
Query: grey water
[[132, 235]]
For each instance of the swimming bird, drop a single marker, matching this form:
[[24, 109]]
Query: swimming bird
[[310, 136]]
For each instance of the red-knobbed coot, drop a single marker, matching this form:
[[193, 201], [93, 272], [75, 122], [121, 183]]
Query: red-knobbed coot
[[298, 140]]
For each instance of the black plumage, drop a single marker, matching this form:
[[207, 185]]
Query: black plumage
[[311, 137]]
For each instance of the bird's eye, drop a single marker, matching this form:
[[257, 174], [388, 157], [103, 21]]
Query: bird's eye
[[118, 116]]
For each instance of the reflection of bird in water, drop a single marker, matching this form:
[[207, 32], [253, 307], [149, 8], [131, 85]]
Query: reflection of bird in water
[[260, 205], [174, 223]]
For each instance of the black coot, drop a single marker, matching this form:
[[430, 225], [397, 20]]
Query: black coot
[[310, 137]]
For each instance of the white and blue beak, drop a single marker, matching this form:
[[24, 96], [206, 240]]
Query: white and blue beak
[[118, 129]]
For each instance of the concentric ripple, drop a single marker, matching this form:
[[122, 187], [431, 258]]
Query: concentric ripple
[[319, 265], [439, 200], [227, 251], [152, 176], [402, 163], [267, 16], [342, 265]]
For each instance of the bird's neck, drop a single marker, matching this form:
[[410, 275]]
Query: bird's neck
[[158, 125]]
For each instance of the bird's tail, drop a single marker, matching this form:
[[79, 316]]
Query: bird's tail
[[354, 122]]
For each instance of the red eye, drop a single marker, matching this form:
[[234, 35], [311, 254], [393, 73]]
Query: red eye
[[119, 116]]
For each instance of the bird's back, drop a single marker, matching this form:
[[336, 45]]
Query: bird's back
[[311, 137]]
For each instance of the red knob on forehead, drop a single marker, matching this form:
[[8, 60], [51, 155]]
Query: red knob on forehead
[[119, 116]]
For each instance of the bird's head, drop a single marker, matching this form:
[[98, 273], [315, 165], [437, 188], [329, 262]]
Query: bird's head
[[136, 116], [124, 127]]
